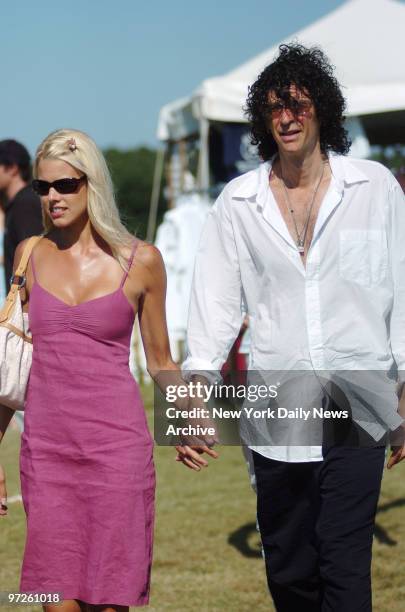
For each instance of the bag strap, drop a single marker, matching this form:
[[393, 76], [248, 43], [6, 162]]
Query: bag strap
[[19, 273]]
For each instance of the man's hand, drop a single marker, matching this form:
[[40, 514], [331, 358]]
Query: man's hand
[[199, 432], [397, 447], [397, 455], [191, 456]]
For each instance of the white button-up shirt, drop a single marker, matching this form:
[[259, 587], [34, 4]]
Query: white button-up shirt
[[344, 311]]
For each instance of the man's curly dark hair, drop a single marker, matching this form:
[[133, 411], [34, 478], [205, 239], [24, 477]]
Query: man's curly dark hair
[[310, 70]]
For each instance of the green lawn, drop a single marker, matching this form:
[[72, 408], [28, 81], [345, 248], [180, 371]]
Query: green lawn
[[207, 554]]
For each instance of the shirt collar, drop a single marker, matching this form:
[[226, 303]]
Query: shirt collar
[[256, 182]]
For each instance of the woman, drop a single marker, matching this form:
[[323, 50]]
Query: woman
[[87, 473]]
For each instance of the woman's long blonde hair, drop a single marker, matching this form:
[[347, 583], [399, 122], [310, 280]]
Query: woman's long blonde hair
[[101, 206]]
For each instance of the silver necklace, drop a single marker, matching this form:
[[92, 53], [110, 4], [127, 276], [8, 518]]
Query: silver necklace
[[301, 236]]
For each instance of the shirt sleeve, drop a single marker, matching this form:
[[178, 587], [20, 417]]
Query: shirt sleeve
[[397, 260], [215, 311]]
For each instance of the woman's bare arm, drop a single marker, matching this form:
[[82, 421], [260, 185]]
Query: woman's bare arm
[[151, 312], [152, 321], [6, 414]]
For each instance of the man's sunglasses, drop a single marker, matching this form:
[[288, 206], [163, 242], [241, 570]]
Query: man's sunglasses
[[297, 108], [62, 186]]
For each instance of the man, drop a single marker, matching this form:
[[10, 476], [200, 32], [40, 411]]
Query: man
[[23, 216], [310, 245]]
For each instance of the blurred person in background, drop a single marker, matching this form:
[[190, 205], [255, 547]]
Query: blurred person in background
[[23, 214]]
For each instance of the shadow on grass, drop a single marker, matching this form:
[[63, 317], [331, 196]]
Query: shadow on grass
[[379, 532], [241, 539]]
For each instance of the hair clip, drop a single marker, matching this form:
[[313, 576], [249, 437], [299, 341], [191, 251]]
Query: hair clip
[[72, 144]]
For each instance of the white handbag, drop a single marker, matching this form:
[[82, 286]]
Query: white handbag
[[15, 339]]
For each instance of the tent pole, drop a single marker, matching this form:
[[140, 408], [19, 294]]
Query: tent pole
[[203, 160], [154, 200], [183, 162], [169, 174]]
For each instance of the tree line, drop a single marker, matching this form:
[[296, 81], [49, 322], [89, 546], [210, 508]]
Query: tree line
[[132, 175]]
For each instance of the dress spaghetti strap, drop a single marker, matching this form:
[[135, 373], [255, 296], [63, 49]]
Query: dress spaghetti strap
[[124, 278]]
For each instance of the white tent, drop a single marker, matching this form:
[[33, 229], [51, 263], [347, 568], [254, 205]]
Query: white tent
[[364, 39]]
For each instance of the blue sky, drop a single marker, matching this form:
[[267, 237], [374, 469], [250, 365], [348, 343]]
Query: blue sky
[[107, 67]]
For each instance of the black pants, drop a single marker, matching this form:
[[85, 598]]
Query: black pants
[[316, 524]]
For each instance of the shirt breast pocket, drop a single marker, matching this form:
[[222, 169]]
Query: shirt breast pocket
[[363, 257]]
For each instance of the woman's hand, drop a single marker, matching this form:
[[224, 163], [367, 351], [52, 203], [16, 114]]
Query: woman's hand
[[3, 492]]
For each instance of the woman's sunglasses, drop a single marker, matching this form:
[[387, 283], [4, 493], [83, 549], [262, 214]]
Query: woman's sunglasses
[[62, 186]]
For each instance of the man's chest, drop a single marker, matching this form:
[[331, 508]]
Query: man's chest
[[299, 210], [347, 238]]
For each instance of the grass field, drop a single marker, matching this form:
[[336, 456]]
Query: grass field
[[207, 554]]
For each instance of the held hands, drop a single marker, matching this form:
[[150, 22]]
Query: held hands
[[199, 434], [191, 456], [192, 448]]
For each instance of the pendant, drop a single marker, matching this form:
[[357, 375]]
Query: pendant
[[301, 249]]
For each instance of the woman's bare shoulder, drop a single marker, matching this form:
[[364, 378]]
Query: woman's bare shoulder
[[148, 269], [42, 244], [148, 256], [19, 251]]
